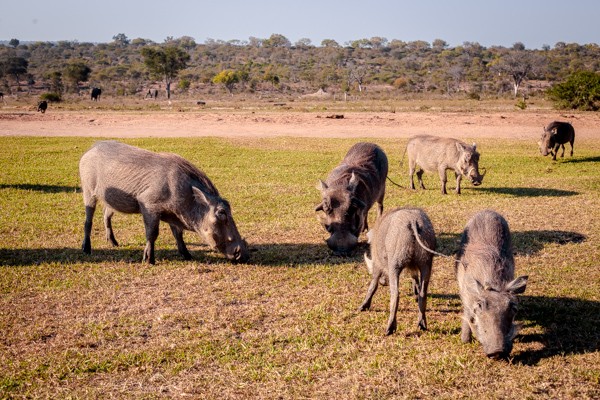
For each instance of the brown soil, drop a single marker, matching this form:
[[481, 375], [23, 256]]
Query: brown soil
[[518, 125]]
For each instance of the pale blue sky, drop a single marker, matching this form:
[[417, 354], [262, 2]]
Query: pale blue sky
[[489, 22]]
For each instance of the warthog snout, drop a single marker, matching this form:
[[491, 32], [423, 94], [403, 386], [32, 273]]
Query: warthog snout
[[342, 243]]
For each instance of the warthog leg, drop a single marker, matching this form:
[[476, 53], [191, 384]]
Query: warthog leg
[[110, 236], [420, 178], [151, 222], [442, 173], [458, 179], [87, 227], [178, 234], [422, 296], [370, 292], [393, 277]]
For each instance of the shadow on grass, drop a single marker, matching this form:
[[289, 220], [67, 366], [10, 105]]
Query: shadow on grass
[[532, 242], [582, 160], [41, 188], [26, 257], [529, 192], [570, 326]]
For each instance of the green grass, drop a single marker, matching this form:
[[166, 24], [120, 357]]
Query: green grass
[[285, 325]]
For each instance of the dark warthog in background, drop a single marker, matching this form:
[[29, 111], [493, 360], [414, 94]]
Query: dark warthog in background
[[485, 272], [433, 153], [400, 240], [162, 187], [42, 106], [96, 92], [555, 135], [349, 192]]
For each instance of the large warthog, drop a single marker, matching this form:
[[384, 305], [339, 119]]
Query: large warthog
[[161, 187], [349, 192], [555, 135], [485, 273], [402, 239], [432, 153]]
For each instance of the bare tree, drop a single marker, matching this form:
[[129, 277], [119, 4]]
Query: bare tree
[[520, 64]]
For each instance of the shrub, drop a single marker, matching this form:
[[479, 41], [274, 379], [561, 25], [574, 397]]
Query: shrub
[[51, 97], [580, 91]]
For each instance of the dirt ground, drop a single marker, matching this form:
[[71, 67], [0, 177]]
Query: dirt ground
[[524, 125]]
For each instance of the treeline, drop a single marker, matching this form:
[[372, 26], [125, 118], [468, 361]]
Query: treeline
[[275, 65]]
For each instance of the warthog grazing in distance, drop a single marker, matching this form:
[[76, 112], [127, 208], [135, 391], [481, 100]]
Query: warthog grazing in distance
[[349, 192], [555, 135], [161, 187], [433, 153], [42, 106], [398, 242], [96, 93], [485, 273]]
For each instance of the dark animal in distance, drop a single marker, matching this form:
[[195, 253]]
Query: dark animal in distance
[[152, 94], [161, 187], [432, 153], [348, 194], [1, 96], [485, 273], [402, 239], [96, 92], [555, 135], [42, 106]]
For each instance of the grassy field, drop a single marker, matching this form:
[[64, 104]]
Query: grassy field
[[285, 325]]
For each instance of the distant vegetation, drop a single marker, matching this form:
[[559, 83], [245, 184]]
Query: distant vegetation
[[275, 66]]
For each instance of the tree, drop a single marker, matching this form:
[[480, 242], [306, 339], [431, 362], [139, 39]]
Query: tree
[[580, 91], [329, 43], [14, 43], [165, 63], [75, 72], [277, 40], [15, 66], [227, 78], [519, 65], [120, 39]]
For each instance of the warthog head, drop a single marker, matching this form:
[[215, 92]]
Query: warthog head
[[218, 228], [343, 215], [468, 163], [547, 142], [493, 314]]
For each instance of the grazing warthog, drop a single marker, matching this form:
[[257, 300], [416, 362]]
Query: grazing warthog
[[349, 192], [400, 240], [485, 273], [161, 187], [42, 106], [555, 135], [433, 153], [96, 93]]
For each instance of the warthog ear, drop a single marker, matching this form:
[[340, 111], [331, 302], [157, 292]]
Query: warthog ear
[[353, 183], [201, 196], [474, 146], [321, 186], [460, 147], [518, 285]]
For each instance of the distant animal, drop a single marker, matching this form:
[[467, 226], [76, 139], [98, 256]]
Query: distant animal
[[432, 153], [96, 92], [485, 274], [348, 194], [555, 135], [152, 93], [402, 239], [1, 96], [161, 187], [42, 106]]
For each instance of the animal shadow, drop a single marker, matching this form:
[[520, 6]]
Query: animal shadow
[[529, 192], [41, 188], [532, 242], [582, 160], [299, 254], [570, 326]]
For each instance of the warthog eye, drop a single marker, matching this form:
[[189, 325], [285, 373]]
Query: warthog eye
[[328, 228]]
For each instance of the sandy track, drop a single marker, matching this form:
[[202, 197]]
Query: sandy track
[[517, 124]]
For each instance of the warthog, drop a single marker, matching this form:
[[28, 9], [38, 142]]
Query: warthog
[[485, 273], [96, 93], [555, 135], [401, 239], [42, 106], [349, 192], [433, 153], [161, 187]]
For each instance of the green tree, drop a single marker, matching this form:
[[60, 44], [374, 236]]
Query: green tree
[[75, 72], [580, 91], [15, 66], [14, 43], [120, 39], [165, 63], [227, 78]]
